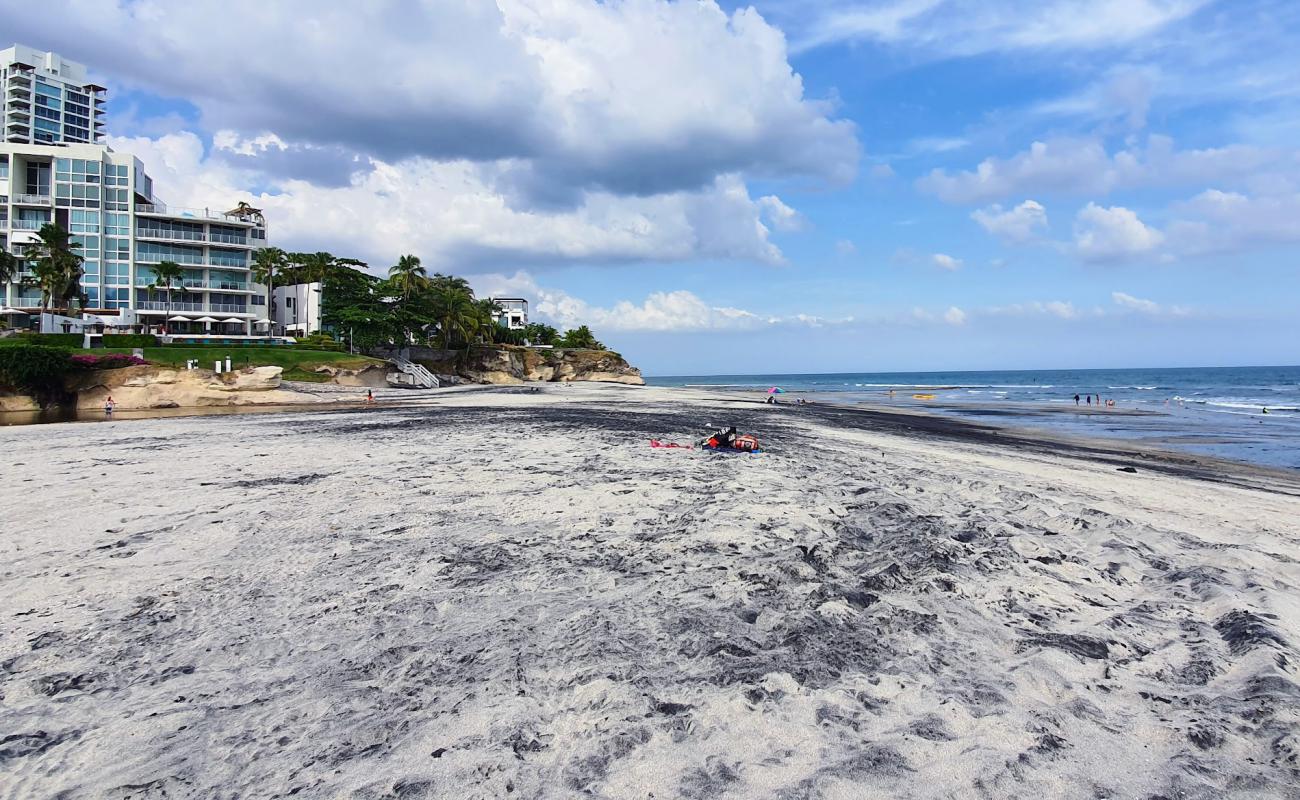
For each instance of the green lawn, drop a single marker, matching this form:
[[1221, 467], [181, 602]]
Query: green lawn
[[298, 364]]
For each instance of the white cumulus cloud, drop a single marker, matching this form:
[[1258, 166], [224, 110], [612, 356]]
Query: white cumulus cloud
[[1017, 225], [945, 261], [1112, 234]]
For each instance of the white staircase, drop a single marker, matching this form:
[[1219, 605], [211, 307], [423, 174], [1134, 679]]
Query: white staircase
[[420, 378]]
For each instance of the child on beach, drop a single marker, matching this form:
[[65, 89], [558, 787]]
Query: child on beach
[[109, 405]]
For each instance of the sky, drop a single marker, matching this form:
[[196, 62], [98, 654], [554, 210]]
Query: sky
[[789, 186]]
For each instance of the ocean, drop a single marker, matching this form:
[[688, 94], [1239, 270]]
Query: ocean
[[1245, 413]]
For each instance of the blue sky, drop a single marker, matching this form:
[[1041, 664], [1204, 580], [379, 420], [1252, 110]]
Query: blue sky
[[792, 186]]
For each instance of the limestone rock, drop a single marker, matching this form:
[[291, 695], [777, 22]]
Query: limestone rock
[[509, 364], [162, 387]]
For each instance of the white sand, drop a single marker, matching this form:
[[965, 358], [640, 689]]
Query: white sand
[[511, 594]]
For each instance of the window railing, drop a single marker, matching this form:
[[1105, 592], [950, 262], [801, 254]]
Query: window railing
[[180, 236], [29, 224], [34, 199], [161, 305], [226, 238], [228, 308]]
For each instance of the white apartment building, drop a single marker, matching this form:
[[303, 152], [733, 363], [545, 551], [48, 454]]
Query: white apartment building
[[513, 314], [295, 309], [105, 200], [48, 99]]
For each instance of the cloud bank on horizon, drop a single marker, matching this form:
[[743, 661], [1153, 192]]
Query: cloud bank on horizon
[[840, 173]]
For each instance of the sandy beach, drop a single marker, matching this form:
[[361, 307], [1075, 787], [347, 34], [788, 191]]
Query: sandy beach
[[508, 593]]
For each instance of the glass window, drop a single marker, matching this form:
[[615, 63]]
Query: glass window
[[117, 224], [117, 272], [117, 248], [117, 298]]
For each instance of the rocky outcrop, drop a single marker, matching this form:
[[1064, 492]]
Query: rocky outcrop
[[17, 402], [509, 364], [372, 375], [164, 387]]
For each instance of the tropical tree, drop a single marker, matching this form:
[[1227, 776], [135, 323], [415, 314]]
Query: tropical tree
[[9, 266], [267, 264], [448, 283], [456, 313], [57, 267], [167, 274], [408, 276], [580, 338], [488, 312], [539, 333]]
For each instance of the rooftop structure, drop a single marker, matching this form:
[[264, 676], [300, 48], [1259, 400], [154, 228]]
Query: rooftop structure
[[513, 314], [48, 99]]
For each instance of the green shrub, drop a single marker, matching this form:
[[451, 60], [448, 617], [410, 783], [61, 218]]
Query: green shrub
[[319, 341], [53, 339], [35, 370], [130, 340]]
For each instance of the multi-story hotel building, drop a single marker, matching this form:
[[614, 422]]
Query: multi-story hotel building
[[47, 99], [105, 199]]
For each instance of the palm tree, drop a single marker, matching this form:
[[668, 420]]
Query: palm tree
[[57, 266], [166, 275], [267, 263], [9, 266], [448, 283], [408, 276], [488, 311], [455, 312]]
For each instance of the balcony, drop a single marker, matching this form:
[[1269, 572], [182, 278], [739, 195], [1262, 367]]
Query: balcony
[[171, 236], [29, 224], [27, 302], [176, 308], [33, 200], [223, 238], [228, 308]]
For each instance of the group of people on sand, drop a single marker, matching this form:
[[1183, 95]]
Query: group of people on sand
[[1110, 402]]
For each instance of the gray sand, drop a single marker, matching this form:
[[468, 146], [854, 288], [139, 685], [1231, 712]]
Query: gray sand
[[513, 595]]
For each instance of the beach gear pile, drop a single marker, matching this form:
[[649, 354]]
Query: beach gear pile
[[728, 441], [725, 440]]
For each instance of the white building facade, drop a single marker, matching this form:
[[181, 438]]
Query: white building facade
[[295, 310], [513, 314], [48, 99], [105, 199]]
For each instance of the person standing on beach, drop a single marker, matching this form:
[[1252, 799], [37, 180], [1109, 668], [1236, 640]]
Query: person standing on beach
[[109, 405], [1076, 399], [1089, 399]]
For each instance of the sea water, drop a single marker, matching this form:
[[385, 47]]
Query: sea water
[[1245, 413]]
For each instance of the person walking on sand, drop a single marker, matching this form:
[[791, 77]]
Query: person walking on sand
[[1089, 399], [370, 396]]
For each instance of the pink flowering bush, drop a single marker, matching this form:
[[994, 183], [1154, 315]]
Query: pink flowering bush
[[106, 361]]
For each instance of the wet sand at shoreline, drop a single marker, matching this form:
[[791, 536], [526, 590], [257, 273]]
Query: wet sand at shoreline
[[507, 593]]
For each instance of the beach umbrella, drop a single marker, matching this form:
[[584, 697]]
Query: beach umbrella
[[208, 320], [6, 311], [263, 321], [776, 390], [233, 319], [179, 318]]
